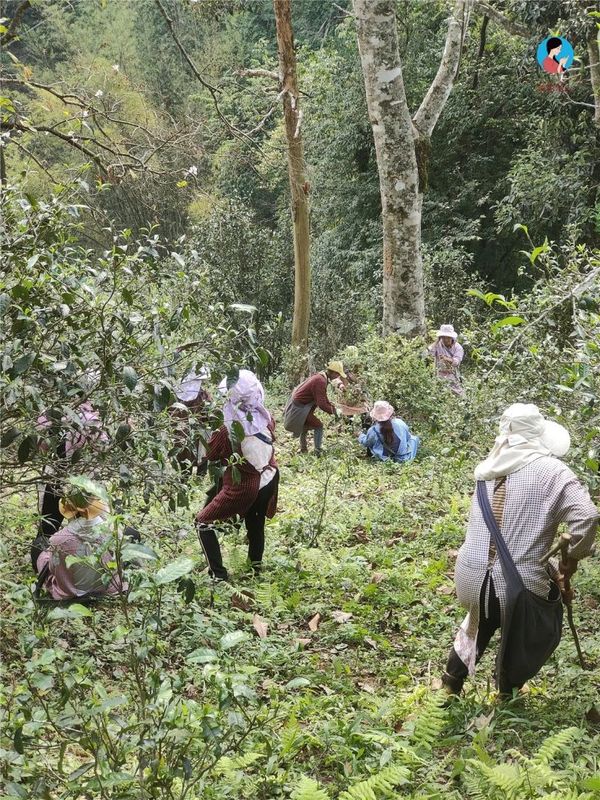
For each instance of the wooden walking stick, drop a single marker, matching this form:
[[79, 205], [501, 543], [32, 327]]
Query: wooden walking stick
[[564, 555]]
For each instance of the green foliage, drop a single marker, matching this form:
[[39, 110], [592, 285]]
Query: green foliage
[[401, 372], [81, 326]]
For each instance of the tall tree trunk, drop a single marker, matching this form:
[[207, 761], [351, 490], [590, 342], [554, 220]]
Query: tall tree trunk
[[288, 84], [594, 56], [403, 303], [402, 147]]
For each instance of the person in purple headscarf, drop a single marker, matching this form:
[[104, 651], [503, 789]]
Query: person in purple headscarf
[[249, 488], [191, 417]]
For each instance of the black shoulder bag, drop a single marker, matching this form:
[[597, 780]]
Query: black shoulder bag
[[532, 625]]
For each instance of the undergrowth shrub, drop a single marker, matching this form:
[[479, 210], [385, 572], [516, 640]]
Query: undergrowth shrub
[[401, 372]]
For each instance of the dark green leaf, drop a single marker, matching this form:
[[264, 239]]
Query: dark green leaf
[[9, 436], [22, 364], [130, 378]]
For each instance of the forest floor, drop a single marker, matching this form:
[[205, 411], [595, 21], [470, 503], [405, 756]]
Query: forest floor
[[358, 598]]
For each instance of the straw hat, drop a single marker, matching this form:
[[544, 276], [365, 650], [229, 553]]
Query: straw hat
[[80, 505], [382, 411], [336, 366], [447, 330]]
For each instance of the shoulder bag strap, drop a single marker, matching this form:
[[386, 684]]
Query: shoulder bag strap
[[511, 573]]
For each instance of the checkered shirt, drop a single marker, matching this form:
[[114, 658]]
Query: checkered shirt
[[539, 497]]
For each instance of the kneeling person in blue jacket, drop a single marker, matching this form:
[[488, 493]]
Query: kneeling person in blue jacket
[[389, 437]]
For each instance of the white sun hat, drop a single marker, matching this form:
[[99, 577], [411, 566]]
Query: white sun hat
[[524, 435], [447, 330], [382, 411]]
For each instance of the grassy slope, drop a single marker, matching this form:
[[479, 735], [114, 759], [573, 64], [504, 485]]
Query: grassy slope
[[384, 554]]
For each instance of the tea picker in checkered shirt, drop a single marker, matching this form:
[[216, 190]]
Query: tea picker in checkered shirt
[[531, 492]]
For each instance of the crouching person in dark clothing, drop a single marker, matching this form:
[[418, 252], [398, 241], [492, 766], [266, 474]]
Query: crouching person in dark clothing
[[502, 578], [249, 487]]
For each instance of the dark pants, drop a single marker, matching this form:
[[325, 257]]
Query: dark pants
[[51, 518], [254, 520], [456, 670]]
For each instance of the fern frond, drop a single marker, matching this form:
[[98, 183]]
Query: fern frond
[[309, 789], [228, 766], [429, 722], [382, 782], [500, 780], [560, 743]]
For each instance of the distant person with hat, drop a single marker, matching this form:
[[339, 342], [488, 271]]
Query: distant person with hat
[[75, 563], [389, 438], [524, 493], [299, 416], [448, 354]]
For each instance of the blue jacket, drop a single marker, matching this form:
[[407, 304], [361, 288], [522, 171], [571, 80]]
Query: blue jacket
[[407, 447]]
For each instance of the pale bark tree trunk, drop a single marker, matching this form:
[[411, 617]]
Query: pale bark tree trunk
[[594, 56], [288, 84], [401, 146]]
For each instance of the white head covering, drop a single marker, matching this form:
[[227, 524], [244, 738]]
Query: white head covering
[[245, 399], [525, 435], [382, 411], [190, 386], [447, 330]]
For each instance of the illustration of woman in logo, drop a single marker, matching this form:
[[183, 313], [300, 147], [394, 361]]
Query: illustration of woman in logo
[[552, 63]]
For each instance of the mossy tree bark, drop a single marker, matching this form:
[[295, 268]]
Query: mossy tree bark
[[402, 148]]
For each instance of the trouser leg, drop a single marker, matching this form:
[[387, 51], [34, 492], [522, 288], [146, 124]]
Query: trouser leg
[[51, 518], [255, 523], [212, 551], [456, 669], [318, 440]]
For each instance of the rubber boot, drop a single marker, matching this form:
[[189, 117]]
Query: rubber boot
[[318, 441], [303, 443]]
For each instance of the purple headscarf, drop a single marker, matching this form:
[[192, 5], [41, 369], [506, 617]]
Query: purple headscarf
[[246, 399]]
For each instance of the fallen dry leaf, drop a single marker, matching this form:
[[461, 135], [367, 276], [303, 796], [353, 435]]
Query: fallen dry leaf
[[367, 687], [377, 577], [303, 642], [314, 622], [241, 601], [260, 626], [393, 541], [436, 684], [341, 616], [445, 590], [371, 642]]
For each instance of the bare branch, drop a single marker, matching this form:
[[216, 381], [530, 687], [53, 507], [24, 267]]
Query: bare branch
[[17, 126], [11, 32], [430, 109], [509, 25], [34, 158], [212, 89]]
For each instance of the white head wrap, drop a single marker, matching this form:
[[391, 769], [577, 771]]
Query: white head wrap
[[525, 435]]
